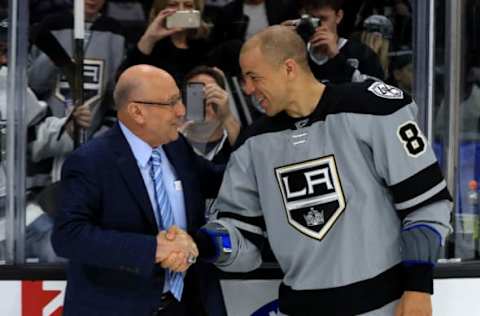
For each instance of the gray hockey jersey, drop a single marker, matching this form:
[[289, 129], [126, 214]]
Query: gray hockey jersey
[[351, 199]]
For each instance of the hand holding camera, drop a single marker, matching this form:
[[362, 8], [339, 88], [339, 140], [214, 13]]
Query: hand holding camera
[[325, 41], [157, 31], [312, 31]]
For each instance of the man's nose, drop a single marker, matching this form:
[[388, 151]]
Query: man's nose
[[248, 87], [179, 109]]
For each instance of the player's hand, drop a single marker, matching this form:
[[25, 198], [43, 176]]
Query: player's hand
[[414, 304], [156, 31], [325, 41]]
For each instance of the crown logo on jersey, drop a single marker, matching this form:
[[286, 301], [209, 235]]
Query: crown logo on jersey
[[312, 195], [314, 217]]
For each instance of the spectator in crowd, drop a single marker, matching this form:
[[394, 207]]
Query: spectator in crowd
[[241, 19], [334, 173], [116, 237], [333, 58], [215, 136], [104, 52], [176, 50], [402, 25], [377, 33], [40, 9], [402, 70], [132, 15], [38, 223]]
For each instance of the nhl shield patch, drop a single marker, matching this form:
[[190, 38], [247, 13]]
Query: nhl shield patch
[[386, 91], [312, 195]]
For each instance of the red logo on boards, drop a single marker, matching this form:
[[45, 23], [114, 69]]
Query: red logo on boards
[[42, 298]]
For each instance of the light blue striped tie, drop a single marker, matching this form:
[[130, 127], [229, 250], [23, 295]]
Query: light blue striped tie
[[165, 218]]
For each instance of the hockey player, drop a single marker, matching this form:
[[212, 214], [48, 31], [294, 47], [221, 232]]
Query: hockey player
[[342, 183]]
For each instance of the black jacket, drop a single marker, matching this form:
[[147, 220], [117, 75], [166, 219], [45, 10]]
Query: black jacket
[[232, 22]]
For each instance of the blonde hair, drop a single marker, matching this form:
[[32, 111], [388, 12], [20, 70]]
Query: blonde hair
[[202, 32], [380, 45]]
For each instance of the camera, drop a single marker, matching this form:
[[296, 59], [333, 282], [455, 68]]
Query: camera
[[306, 26]]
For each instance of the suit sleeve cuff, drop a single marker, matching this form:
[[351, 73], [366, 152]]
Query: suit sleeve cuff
[[419, 278]]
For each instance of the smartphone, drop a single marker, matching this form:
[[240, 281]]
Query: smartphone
[[195, 101], [188, 19]]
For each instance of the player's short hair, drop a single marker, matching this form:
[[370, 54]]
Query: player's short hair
[[277, 44]]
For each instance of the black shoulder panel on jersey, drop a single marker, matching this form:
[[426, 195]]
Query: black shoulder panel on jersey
[[368, 97], [264, 125]]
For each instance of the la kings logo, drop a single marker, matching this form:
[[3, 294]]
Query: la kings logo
[[93, 82], [312, 195]]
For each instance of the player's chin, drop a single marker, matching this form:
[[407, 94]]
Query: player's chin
[[270, 111]]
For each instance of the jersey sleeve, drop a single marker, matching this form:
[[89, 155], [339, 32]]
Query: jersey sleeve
[[238, 210], [405, 161]]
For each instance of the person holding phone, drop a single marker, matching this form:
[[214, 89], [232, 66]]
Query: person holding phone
[[175, 49], [213, 129]]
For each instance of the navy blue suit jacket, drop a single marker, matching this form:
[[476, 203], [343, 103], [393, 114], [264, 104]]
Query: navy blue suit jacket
[[106, 228]]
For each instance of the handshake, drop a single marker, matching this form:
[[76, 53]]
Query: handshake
[[176, 249]]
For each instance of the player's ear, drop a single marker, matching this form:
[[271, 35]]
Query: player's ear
[[291, 68]]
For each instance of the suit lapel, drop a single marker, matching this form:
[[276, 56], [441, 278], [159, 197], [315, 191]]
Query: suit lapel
[[130, 172]]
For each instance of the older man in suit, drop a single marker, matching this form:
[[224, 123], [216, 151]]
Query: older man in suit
[[129, 198]]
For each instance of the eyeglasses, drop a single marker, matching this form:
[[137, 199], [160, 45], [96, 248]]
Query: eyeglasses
[[171, 103]]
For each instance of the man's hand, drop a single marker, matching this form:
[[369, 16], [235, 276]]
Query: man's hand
[[81, 116], [156, 31], [414, 304], [325, 41], [174, 247]]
